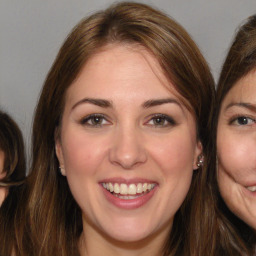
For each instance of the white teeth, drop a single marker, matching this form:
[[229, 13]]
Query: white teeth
[[139, 188], [125, 197], [253, 188], [111, 188], [116, 188], [128, 191], [123, 189], [132, 189]]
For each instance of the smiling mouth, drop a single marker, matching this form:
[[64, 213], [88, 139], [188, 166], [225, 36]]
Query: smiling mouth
[[252, 188], [128, 192]]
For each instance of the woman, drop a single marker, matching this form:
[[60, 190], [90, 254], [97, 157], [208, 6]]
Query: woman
[[12, 173], [12, 157], [236, 140], [120, 142]]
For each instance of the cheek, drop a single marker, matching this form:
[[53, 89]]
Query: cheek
[[175, 159], [82, 153], [175, 155], [83, 156], [236, 155]]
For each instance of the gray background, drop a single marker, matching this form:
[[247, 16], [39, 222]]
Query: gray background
[[33, 30]]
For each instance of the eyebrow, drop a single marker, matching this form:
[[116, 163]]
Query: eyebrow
[[243, 105], [107, 104], [98, 102], [152, 103]]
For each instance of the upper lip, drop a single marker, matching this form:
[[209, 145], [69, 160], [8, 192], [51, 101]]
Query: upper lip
[[249, 184]]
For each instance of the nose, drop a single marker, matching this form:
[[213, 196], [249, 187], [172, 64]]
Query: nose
[[127, 149]]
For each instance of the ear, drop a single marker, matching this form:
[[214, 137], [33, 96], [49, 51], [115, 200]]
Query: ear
[[59, 153], [198, 153]]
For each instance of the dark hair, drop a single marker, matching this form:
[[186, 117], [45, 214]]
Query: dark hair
[[240, 60], [11, 143], [236, 237], [54, 218]]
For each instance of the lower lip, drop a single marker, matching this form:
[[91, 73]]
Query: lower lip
[[129, 204]]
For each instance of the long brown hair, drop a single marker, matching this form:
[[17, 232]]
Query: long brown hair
[[11, 143], [236, 237], [53, 217]]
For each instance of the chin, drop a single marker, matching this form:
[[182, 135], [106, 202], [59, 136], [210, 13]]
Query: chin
[[127, 231], [129, 237]]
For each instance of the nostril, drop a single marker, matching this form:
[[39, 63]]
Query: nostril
[[127, 153]]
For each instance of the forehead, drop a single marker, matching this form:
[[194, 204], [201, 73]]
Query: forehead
[[243, 90], [125, 69], [121, 64]]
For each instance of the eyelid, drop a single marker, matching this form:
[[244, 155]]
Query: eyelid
[[169, 119], [235, 118], [86, 119]]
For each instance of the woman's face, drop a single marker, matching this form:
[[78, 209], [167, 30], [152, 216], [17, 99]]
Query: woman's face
[[2, 190], [236, 146], [127, 146]]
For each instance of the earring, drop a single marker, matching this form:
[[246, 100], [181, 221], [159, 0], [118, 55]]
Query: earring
[[61, 170], [200, 161]]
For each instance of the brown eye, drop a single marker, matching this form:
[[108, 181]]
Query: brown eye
[[161, 120], [94, 120]]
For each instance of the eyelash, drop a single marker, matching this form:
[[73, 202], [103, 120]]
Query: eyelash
[[162, 117], [90, 120], [235, 120]]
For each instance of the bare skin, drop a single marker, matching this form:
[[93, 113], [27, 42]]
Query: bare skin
[[236, 144], [124, 126]]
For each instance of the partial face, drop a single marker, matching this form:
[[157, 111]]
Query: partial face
[[2, 190], [128, 146], [236, 145]]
